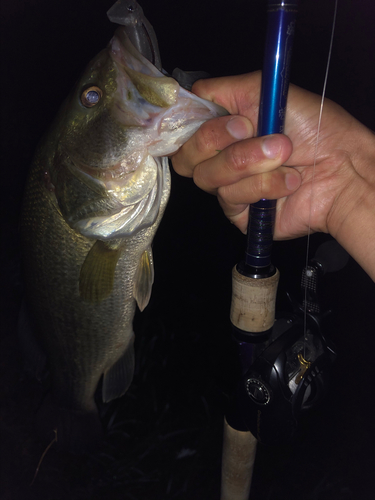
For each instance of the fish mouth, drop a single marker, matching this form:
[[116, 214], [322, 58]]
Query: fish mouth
[[143, 92], [166, 114]]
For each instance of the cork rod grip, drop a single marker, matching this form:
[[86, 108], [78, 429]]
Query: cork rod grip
[[253, 302], [239, 450]]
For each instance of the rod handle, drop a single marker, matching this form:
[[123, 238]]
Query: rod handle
[[239, 450], [253, 302]]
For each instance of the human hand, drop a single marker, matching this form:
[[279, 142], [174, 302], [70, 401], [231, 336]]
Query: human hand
[[225, 158]]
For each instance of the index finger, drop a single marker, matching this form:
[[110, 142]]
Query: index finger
[[212, 137], [238, 94]]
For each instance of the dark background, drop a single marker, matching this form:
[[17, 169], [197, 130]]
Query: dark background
[[164, 437]]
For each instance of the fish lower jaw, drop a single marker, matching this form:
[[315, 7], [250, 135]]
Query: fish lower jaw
[[116, 171]]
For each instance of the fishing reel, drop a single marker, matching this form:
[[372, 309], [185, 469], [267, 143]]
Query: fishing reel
[[287, 371]]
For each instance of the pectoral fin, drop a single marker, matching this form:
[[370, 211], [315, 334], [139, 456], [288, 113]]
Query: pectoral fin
[[144, 279], [118, 378], [98, 272]]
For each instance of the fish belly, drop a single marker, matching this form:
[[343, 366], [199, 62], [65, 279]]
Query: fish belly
[[82, 340]]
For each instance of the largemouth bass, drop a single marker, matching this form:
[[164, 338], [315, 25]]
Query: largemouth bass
[[95, 196]]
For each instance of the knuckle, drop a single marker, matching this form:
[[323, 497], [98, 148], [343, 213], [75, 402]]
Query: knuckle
[[176, 163], [198, 175], [203, 179], [238, 157], [224, 195], [198, 86], [207, 139], [265, 185], [180, 165]]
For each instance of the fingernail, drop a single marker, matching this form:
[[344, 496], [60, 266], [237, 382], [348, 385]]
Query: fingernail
[[238, 128], [271, 147], [292, 181]]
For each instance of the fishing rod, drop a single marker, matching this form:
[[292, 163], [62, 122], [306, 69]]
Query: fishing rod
[[256, 273], [283, 362], [255, 279]]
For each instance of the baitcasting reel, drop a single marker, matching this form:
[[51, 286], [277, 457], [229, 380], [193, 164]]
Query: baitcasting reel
[[286, 372]]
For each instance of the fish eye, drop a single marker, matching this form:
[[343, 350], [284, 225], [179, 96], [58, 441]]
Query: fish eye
[[131, 8], [91, 96]]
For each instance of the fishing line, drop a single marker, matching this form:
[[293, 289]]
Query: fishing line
[[314, 168]]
